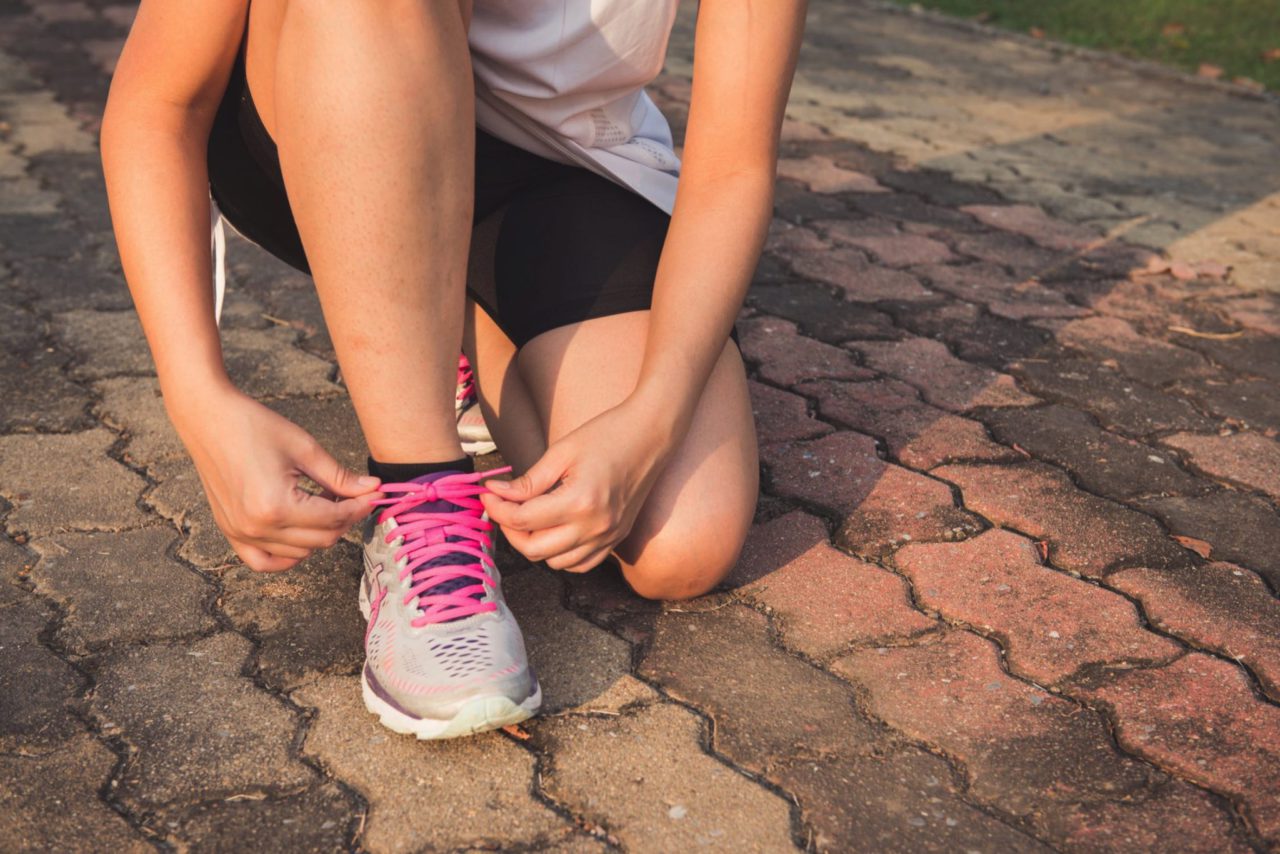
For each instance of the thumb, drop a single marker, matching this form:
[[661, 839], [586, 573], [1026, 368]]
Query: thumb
[[317, 464], [540, 477]]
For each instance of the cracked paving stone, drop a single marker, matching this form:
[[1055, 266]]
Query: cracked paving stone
[[1218, 606], [265, 363], [785, 357], [943, 379], [1148, 360], [67, 481], [1101, 461], [332, 422], [883, 505], [1199, 718], [180, 498], [1243, 529], [645, 777], [106, 343], [305, 621], [859, 279], [577, 662], [119, 587], [820, 315], [200, 729], [1052, 624], [37, 394], [786, 560], [917, 434], [38, 690], [1003, 294], [781, 416], [55, 288], [318, 819], [1023, 749], [486, 779], [1085, 533], [134, 405], [1249, 459], [52, 802], [1114, 400]]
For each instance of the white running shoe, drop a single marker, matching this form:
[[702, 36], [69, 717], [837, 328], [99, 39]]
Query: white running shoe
[[472, 430], [443, 654]]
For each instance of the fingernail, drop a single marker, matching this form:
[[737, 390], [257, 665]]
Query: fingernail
[[367, 480]]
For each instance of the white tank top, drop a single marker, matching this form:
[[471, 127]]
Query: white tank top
[[565, 79]]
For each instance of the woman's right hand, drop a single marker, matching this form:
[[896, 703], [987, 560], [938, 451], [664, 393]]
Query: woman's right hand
[[250, 461]]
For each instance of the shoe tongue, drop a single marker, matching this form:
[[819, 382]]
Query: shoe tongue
[[442, 506]]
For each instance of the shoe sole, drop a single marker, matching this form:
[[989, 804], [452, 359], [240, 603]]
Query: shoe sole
[[479, 714], [478, 449]]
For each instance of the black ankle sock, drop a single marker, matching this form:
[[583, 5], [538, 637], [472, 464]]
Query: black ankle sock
[[401, 472]]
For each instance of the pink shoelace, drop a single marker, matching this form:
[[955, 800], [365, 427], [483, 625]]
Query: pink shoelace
[[466, 380], [456, 535]]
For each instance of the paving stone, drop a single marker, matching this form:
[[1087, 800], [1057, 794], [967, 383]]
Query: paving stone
[[1152, 306], [487, 780], [201, 730], [38, 690], [1022, 748], [134, 406], [180, 498], [1253, 354], [305, 621], [937, 187], [667, 796], [1245, 458], [1019, 256], [1240, 528], [767, 705], [917, 434], [1030, 221], [107, 343], [1115, 400], [1260, 311], [975, 335], [318, 819], [902, 801], [820, 315], [1218, 606], [119, 587], [332, 422], [943, 379], [910, 211], [264, 363], [785, 357], [882, 505], [821, 175], [897, 250], [849, 270], [781, 416], [784, 236], [821, 599], [1250, 404], [1199, 718], [1100, 461], [576, 662], [66, 481], [1084, 533], [1150, 360], [55, 288], [1050, 623], [51, 802], [794, 201]]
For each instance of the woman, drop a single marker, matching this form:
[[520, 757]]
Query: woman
[[492, 179]]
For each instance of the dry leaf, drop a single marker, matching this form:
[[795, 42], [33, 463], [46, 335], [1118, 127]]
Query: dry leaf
[[1036, 33], [1042, 546], [1215, 336], [1271, 55], [1171, 30], [1021, 450], [1249, 83], [1200, 547], [1182, 271], [1212, 269], [1213, 72], [516, 732]]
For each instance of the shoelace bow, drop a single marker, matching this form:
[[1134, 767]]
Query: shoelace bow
[[431, 535], [466, 380]]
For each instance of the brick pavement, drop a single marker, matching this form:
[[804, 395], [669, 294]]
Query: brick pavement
[[1013, 581]]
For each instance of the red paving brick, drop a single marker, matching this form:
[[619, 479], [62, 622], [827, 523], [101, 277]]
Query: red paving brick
[[1149, 359], [782, 416], [822, 175], [918, 435], [1084, 533], [943, 379], [1032, 222], [896, 250], [1249, 459], [1051, 623], [821, 599], [883, 505], [1199, 719], [849, 270], [1022, 747], [786, 236], [786, 357], [1218, 606]]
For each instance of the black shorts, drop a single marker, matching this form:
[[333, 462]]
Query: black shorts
[[551, 244]]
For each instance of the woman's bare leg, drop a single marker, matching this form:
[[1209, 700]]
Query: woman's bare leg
[[567, 376], [373, 114]]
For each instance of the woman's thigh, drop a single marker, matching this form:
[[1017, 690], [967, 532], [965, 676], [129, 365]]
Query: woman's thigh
[[691, 528]]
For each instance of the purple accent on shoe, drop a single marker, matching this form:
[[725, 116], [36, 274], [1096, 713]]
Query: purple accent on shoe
[[440, 507], [383, 695]]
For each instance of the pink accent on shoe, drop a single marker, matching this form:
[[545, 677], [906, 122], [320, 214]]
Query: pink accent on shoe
[[466, 381], [428, 536], [375, 605]]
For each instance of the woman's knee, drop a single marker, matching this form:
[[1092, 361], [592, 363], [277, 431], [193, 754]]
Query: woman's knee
[[685, 562]]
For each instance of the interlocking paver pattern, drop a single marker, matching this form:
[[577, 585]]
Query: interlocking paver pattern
[[1013, 349]]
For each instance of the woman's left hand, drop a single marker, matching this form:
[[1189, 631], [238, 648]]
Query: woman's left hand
[[580, 500]]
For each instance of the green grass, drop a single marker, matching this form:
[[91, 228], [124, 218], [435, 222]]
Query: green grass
[[1233, 35]]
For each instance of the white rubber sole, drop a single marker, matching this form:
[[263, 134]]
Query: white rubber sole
[[478, 449], [479, 714]]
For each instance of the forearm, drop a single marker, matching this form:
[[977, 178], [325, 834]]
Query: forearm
[[157, 185], [716, 234]]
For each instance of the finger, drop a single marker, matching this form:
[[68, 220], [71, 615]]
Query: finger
[[260, 560], [543, 511], [317, 464], [573, 557], [306, 538], [592, 561], [317, 513], [545, 544], [540, 477]]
